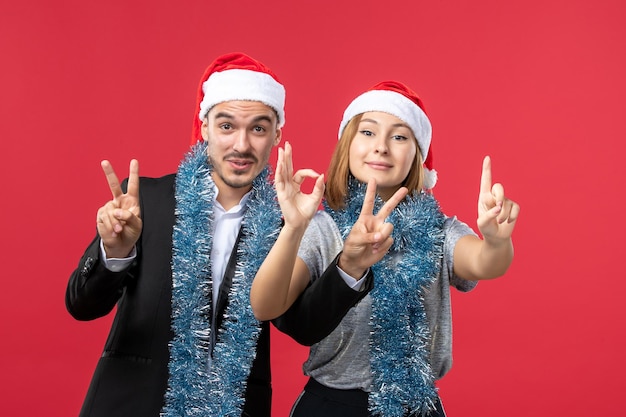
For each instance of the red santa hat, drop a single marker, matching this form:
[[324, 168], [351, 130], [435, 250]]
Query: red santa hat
[[237, 76], [399, 100]]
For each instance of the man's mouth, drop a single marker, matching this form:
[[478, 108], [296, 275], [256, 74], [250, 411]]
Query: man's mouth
[[240, 163]]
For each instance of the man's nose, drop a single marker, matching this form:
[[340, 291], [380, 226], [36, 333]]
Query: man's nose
[[242, 141]]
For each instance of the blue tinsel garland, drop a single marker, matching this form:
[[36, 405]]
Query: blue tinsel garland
[[403, 381], [192, 389]]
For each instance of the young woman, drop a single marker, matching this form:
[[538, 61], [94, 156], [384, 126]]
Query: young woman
[[380, 224]]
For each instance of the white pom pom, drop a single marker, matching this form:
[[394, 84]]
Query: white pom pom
[[430, 178]]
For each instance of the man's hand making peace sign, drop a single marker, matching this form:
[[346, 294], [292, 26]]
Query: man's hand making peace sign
[[119, 220]]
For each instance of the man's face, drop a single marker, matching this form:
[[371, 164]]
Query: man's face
[[240, 136]]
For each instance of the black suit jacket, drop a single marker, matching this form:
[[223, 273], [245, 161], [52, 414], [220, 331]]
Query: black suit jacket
[[130, 379]]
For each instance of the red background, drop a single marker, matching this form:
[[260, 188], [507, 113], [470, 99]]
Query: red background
[[538, 85]]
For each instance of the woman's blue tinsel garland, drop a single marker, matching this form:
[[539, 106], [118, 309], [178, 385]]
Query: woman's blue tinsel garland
[[403, 381], [193, 389]]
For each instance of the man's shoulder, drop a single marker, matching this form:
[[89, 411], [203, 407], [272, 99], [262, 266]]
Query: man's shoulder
[[154, 184], [165, 180]]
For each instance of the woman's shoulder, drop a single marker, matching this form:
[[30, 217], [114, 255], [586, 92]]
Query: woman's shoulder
[[321, 234], [452, 224], [322, 226], [322, 218]]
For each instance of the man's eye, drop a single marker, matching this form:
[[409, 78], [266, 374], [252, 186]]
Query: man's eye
[[226, 126], [259, 129]]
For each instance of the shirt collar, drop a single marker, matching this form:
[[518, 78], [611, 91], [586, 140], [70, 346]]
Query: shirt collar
[[239, 208]]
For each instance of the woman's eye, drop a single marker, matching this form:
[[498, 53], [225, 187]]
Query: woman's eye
[[366, 132], [399, 137]]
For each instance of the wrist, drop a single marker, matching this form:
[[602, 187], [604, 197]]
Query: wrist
[[493, 242], [352, 270], [296, 230], [117, 253]]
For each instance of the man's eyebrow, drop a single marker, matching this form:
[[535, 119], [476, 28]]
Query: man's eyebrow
[[260, 118], [223, 114], [263, 117]]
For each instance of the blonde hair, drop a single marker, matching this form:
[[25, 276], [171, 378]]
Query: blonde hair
[[338, 172]]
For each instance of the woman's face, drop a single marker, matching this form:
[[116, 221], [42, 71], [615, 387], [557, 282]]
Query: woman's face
[[384, 149]]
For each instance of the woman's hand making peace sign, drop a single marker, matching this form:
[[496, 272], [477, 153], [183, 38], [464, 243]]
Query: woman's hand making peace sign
[[370, 237]]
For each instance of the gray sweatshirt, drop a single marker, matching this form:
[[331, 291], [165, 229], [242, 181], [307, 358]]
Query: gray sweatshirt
[[341, 360]]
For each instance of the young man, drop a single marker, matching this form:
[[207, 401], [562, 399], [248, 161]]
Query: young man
[[177, 255]]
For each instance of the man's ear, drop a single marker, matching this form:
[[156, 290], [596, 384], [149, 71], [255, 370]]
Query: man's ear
[[205, 128], [279, 136]]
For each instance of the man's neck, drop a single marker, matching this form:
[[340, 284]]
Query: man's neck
[[229, 197]]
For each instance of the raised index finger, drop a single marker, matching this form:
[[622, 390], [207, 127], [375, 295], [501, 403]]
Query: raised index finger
[[114, 183], [133, 178], [485, 177]]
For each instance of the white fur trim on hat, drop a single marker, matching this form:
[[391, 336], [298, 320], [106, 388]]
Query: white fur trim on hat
[[241, 84], [397, 105]]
